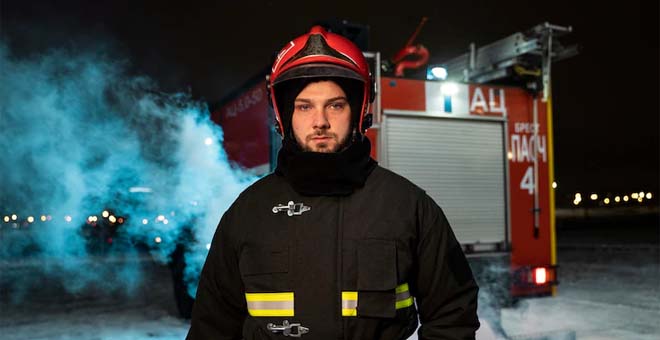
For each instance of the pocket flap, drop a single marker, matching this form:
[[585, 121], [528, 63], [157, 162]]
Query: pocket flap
[[254, 261]]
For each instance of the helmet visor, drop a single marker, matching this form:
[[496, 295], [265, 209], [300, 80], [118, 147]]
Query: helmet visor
[[318, 70]]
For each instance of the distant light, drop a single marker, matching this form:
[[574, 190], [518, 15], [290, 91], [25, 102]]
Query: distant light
[[139, 189], [160, 218], [648, 196], [640, 199], [554, 185], [105, 214], [578, 198], [165, 221], [509, 155], [208, 246], [67, 218], [158, 239], [436, 72], [30, 219], [540, 276], [594, 197], [641, 193], [606, 200], [112, 219], [625, 198], [145, 221], [6, 219], [49, 217], [14, 217], [208, 141], [43, 218], [120, 220], [90, 219], [634, 195], [617, 199]]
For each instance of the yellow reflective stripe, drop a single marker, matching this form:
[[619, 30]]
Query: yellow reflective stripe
[[404, 303], [270, 304], [349, 312], [269, 296], [401, 288], [271, 312], [349, 295]]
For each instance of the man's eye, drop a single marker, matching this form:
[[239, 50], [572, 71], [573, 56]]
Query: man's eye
[[302, 107], [338, 106]]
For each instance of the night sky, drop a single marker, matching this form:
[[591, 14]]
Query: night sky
[[605, 99]]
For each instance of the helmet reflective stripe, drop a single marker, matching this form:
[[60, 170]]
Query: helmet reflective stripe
[[270, 304], [349, 300], [280, 55]]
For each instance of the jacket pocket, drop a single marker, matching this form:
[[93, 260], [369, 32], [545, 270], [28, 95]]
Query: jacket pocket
[[264, 269], [377, 278]]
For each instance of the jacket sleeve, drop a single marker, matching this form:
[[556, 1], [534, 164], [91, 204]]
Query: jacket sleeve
[[220, 308], [446, 289]]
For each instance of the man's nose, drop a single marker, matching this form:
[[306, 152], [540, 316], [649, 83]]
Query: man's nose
[[321, 119]]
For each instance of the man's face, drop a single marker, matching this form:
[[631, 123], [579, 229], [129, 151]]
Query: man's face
[[321, 117]]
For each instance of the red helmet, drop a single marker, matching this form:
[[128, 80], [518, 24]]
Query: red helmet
[[322, 54]]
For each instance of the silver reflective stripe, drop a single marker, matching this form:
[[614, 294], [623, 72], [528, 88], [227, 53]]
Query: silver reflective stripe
[[402, 295], [270, 305], [348, 304]]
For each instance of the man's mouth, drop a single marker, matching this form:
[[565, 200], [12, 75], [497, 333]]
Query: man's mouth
[[320, 137]]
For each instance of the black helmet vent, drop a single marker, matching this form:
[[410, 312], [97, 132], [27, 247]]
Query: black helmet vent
[[316, 45]]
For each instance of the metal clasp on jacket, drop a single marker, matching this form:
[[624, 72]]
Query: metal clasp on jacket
[[288, 329], [291, 208]]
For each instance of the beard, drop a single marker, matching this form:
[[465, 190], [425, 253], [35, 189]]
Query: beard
[[335, 144]]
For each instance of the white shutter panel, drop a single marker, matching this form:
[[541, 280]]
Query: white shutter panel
[[460, 164]]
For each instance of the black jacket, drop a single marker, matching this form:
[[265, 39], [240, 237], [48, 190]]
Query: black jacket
[[386, 241]]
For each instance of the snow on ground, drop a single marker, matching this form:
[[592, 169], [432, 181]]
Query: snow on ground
[[606, 292], [49, 312]]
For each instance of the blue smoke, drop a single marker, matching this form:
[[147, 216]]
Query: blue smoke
[[80, 136]]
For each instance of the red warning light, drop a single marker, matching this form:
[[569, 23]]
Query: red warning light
[[540, 276]]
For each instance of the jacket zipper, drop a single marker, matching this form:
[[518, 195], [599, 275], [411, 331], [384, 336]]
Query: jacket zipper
[[340, 216]]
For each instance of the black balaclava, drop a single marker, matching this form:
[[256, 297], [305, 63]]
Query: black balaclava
[[317, 173]]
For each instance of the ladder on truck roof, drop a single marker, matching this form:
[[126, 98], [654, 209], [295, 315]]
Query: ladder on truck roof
[[522, 56]]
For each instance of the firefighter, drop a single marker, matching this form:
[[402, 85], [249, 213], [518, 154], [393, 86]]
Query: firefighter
[[331, 245]]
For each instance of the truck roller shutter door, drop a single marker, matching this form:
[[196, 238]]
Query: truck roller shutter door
[[460, 164]]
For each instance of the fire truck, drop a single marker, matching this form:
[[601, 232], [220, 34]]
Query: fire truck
[[475, 132]]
